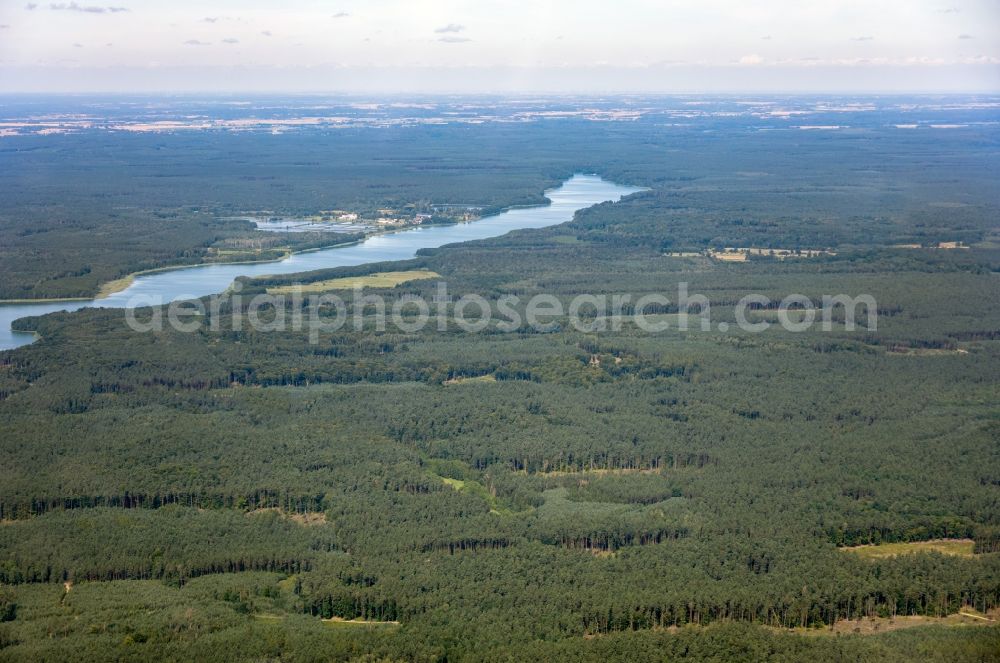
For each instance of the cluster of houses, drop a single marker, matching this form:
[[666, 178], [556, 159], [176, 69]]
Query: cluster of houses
[[388, 218]]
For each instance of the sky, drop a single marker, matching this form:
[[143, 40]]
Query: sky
[[484, 46]]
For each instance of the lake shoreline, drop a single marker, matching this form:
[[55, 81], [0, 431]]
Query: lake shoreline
[[161, 285], [108, 288], [115, 286]]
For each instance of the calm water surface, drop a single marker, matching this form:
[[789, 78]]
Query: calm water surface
[[576, 193]]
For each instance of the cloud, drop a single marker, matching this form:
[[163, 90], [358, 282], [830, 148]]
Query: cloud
[[4, 27], [766, 37], [267, 33], [668, 63], [864, 38], [88, 9], [195, 42], [980, 59], [451, 27], [230, 40], [77, 45], [213, 20], [966, 37], [950, 10], [341, 14], [31, 6], [751, 59], [453, 40]]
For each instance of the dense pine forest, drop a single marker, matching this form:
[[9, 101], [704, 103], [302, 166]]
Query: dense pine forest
[[537, 494]]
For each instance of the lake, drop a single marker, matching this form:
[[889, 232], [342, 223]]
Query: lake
[[576, 193]]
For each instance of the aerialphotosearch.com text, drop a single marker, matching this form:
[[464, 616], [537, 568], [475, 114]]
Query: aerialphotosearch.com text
[[324, 313]]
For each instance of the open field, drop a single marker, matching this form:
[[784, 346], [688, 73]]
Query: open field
[[479, 379], [341, 622], [925, 352], [117, 285], [957, 547], [378, 280], [967, 617], [741, 254]]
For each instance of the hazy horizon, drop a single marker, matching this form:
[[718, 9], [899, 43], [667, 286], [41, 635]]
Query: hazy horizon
[[456, 46]]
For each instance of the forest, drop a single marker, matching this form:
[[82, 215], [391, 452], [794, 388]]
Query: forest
[[441, 495], [82, 209]]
